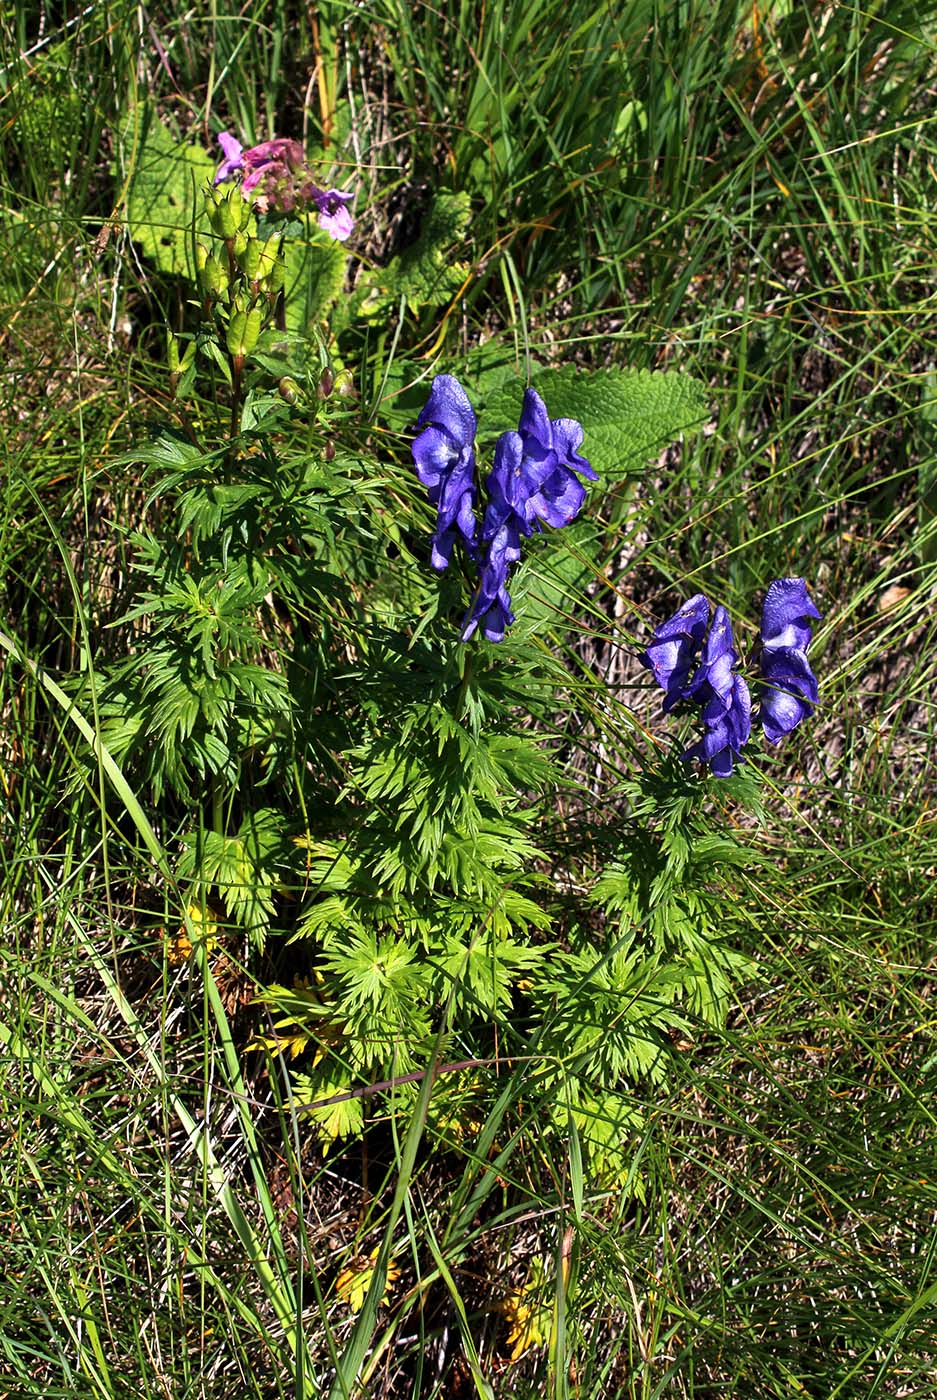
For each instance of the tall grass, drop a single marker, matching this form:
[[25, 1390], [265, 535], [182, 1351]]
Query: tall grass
[[743, 191]]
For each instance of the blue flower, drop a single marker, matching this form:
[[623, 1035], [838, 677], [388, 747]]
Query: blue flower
[[502, 527], [727, 705], [444, 455], [491, 606], [727, 730], [547, 463], [789, 693], [787, 613], [534, 481], [673, 652], [790, 689]]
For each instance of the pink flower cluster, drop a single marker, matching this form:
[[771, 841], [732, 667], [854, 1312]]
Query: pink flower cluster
[[277, 174]]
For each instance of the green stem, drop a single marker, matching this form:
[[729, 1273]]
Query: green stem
[[237, 368], [217, 805], [464, 685]]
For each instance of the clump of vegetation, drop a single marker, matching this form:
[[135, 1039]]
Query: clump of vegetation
[[394, 1000]]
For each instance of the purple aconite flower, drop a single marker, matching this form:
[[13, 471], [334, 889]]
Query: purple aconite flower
[[727, 706], [491, 605], [787, 614], [547, 464], [533, 482], [790, 689], [503, 525], [789, 693], [672, 653], [233, 152], [727, 726], [444, 455]]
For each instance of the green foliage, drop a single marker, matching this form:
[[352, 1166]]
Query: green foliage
[[47, 118], [547, 946], [245, 870], [426, 274], [613, 1012], [627, 415], [165, 210], [315, 275], [445, 790], [196, 701], [927, 470], [669, 886]]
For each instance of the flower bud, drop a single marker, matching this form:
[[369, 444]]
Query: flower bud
[[329, 450], [288, 389], [226, 211], [269, 255], [179, 366], [172, 352], [249, 259], [244, 331], [214, 279], [326, 383], [276, 277]]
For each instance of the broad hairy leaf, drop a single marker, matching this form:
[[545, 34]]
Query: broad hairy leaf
[[164, 203], [627, 415]]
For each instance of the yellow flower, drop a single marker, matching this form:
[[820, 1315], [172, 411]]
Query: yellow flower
[[354, 1281], [203, 925], [530, 1321]]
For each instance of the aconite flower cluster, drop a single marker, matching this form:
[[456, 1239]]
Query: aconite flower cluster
[[691, 665], [534, 482]]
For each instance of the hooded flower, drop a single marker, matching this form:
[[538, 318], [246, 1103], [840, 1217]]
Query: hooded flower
[[533, 482], [546, 461], [503, 525], [787, 614], [727, 730], [673, 652], [727, 705], [491, 606], [790, 690], [444, 455]]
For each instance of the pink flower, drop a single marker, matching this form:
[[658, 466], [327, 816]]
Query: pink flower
[[334, 217], [278, 172], [280, 158], [232, 151]]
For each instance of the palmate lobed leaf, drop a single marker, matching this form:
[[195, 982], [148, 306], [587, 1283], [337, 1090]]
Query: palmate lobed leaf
[[335, 1115], [246, 870], [426, 274]]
